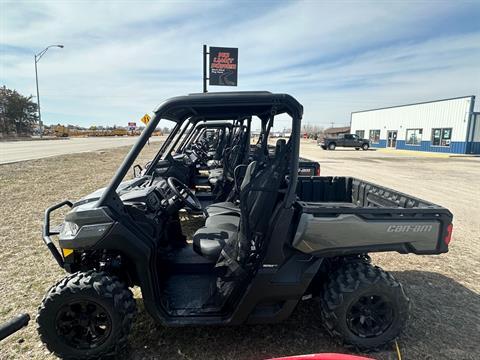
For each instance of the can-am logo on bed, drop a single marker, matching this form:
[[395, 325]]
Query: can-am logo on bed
[[409, 228], [223, 66]]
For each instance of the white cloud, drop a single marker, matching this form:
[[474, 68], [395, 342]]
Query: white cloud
[[121, 59]]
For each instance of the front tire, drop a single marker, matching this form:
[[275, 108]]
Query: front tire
[[87, 315], [364, 306], [331, 146], [365, 147]]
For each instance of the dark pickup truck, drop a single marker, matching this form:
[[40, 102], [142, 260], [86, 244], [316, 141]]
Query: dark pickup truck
[[344, 140]]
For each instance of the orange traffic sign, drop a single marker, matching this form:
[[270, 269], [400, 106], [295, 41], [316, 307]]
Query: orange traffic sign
[[145, 119]]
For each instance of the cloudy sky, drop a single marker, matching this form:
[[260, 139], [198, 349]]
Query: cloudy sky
[[121, 58]]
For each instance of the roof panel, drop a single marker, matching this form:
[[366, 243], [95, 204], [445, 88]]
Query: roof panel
[[228, 105]]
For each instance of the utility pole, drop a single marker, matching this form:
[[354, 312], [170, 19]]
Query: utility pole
[[37, 59], [333, 123]]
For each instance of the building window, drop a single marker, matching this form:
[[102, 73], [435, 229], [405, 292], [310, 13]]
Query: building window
[[414, 137], [441, 137], [374, 136], [360, 133]]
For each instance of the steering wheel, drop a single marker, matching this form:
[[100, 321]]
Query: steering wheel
[[200, 152], [184, 194]]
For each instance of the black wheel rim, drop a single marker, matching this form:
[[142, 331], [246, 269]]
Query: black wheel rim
[[370, 316], [83, 324]]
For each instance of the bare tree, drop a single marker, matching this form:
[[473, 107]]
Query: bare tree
[[312, 131]]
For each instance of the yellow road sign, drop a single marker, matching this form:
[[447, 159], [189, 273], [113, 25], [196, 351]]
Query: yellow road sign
[[145, 119]]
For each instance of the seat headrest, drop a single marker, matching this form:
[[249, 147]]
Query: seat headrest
[[248, 174], [280, 146]]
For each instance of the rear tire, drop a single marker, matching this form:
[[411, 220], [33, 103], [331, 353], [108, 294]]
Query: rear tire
[[357, 148], [364, 306], [365, 147], [331, 146], [87, 315]]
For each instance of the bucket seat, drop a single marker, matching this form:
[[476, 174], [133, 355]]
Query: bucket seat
[[259, 194], [230, 208], [209, 240]]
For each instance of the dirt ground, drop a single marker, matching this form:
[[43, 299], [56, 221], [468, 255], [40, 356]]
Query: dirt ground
[[444, 290]]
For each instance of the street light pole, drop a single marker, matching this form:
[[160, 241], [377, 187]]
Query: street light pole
[[40, 124], [37, 59]]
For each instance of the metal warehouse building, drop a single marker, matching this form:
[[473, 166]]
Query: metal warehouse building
[[447, 125]]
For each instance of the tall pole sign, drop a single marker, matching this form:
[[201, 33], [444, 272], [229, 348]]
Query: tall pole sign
[[222, 66], [205, 54]]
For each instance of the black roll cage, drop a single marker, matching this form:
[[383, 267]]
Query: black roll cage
[[199, 129], [204, 126], [213, 107]]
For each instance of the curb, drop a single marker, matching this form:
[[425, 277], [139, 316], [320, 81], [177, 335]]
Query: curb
[[416, 153]]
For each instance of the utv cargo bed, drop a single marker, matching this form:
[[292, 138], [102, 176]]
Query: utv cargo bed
[[345, 215]]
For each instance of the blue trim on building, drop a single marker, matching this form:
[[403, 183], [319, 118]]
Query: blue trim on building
[[456, 147], [381, 144], [473, 147]]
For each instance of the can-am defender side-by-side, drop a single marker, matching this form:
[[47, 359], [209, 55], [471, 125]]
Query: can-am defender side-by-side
[[200, 155], [283, 239], [205, 154]]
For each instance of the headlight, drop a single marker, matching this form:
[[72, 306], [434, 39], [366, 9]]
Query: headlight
[[72, 231], [69, 230]]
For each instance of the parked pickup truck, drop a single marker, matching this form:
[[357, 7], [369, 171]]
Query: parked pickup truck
[[344, 140]]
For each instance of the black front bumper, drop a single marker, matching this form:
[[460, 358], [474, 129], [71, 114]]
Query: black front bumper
[[47, 232]]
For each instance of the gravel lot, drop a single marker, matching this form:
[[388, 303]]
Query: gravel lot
[[445, 318]]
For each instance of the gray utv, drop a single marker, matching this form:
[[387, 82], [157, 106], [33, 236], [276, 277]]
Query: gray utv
[[281, 240]]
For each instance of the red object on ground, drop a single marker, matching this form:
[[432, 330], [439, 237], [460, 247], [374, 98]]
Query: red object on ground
[[323, 357]]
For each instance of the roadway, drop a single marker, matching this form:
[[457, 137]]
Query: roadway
[[14, 151]]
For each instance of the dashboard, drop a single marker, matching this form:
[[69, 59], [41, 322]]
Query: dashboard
[[152, 195]]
